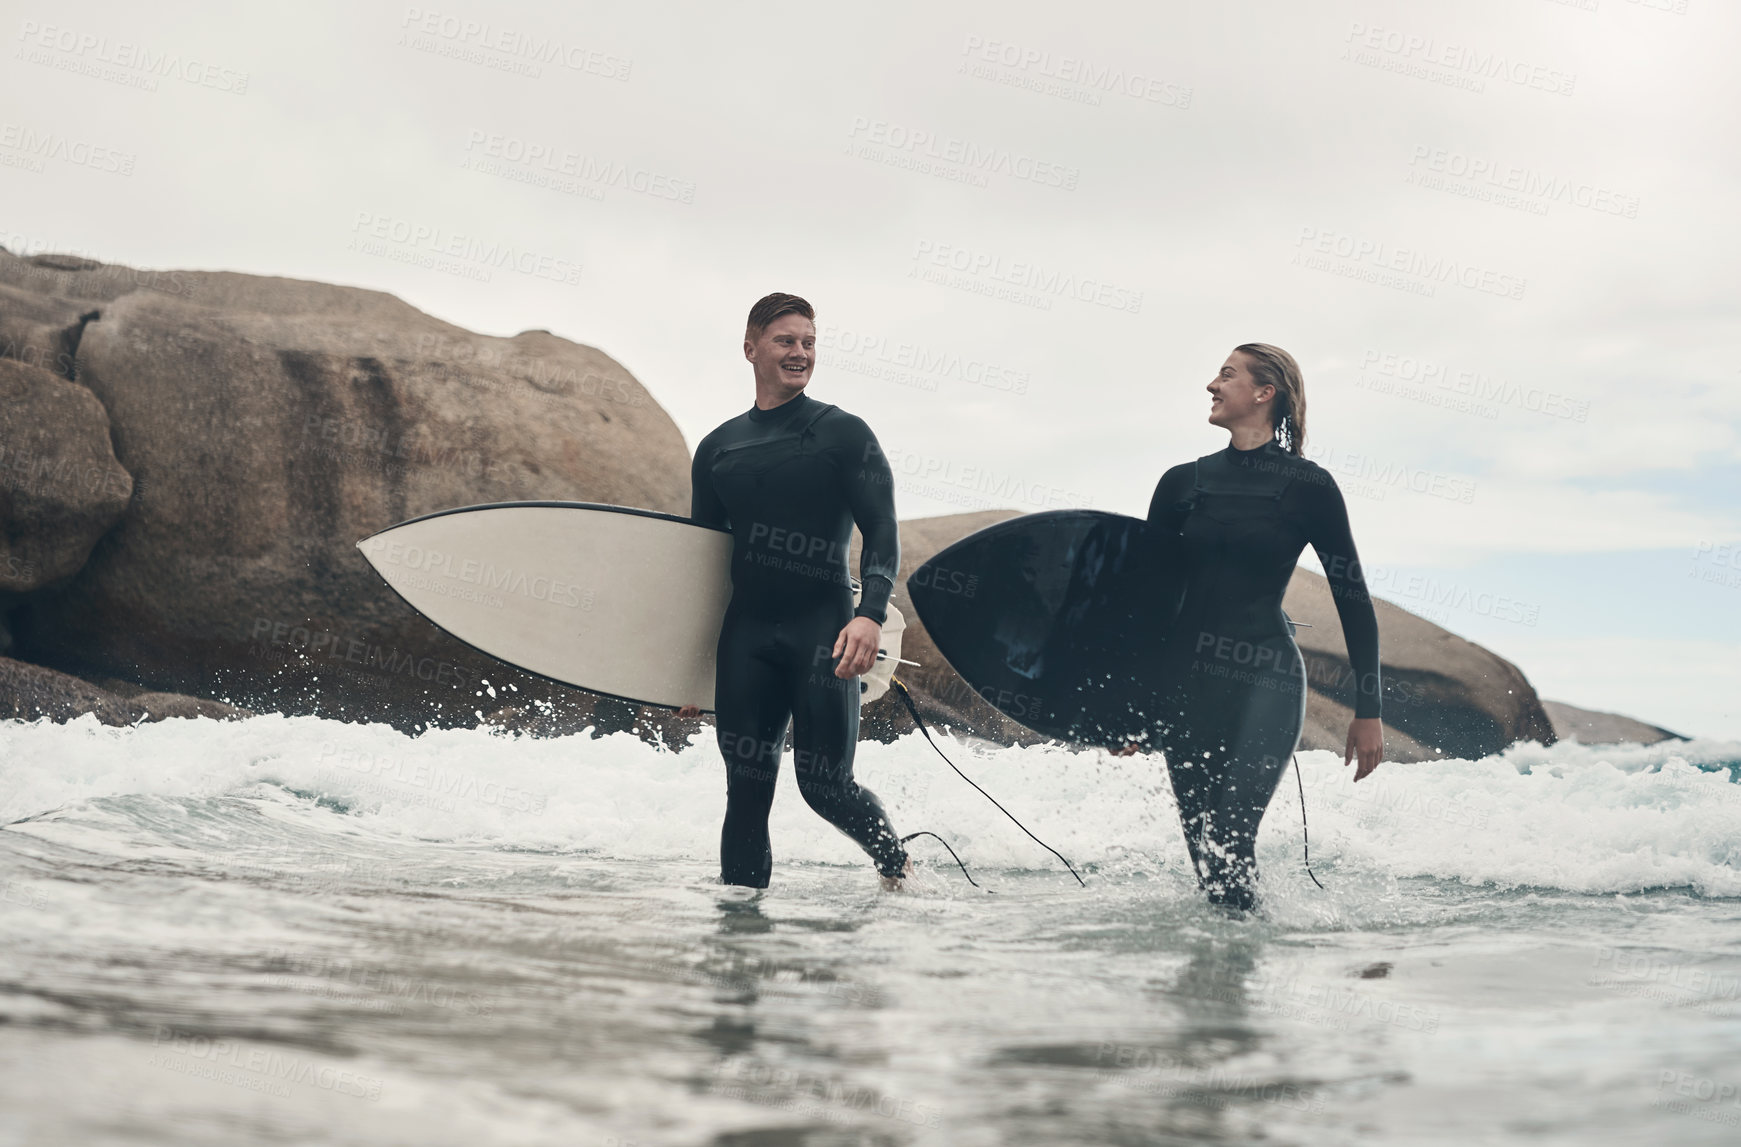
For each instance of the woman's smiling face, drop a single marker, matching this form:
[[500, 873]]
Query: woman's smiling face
[[1235, 396]]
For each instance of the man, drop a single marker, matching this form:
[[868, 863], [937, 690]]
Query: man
[[789, 478]]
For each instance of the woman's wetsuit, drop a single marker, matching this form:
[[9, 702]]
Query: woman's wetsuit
[[1235, 693], [789, 483]]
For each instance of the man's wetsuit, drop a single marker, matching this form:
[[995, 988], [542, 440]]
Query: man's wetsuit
[[789, 483], [1235, 698]]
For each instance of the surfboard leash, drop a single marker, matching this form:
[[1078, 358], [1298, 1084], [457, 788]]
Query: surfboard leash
[[907, 700], [1305, 836], [945, 844]]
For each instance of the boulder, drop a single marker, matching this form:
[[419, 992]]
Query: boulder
[[1590, 727], [1444, 696], [31, 693], [61, 487], [1449, 695], [271, 423]]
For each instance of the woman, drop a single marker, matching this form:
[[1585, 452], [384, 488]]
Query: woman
[[1235, 687]]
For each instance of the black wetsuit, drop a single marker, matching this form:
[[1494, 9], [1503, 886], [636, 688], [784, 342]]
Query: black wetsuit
[[1235, 697], [789, 483]]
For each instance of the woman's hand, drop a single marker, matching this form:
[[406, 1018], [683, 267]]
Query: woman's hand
[[857, 647], [1365, 739]]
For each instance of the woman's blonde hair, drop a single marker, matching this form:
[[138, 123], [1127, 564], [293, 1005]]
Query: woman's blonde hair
[[1273, 366]]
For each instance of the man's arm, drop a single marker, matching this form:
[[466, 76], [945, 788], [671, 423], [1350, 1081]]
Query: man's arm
[[705, 508], [870, 491]]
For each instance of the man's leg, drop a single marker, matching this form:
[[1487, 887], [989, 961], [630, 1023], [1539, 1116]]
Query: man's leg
[[824, 737], [750, 700]]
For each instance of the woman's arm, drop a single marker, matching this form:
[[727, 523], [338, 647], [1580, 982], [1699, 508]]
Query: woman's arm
[[1173, 488], [1333, 541]]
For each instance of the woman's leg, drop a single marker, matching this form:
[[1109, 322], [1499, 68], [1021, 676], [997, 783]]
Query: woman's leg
[[1260, 742]]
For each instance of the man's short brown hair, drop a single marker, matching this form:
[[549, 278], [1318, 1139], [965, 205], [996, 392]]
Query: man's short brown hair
[[770, 307]]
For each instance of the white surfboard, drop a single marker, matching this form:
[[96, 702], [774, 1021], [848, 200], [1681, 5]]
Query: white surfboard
[[614, 600]]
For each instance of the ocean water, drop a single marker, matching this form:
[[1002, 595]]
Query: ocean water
[[296, 931]]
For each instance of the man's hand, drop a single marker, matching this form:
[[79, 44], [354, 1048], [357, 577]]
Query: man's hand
[[1366, 738], [689, 711], [857, 647]]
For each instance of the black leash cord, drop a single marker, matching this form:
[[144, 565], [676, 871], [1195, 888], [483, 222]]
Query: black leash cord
[[907, 699], [1305, 837], [945, 844]]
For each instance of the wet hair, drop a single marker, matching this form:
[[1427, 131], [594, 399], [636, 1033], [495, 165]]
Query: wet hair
[[770, 307], [1273, 366]]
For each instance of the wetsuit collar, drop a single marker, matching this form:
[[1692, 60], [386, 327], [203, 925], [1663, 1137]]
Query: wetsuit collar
[[1246, 457], [781, 412]]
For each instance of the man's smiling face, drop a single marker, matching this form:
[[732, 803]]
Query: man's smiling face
[[784, 354]]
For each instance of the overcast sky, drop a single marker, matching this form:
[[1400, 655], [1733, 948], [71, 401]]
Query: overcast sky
[[1499, 235]]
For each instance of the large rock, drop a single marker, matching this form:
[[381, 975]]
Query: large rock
[[31, 693], [1449, 695], [1591, 727], [60, 486], [1444, 696], [270, 424]]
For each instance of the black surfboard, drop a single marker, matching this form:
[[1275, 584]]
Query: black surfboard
[[1056, 619]]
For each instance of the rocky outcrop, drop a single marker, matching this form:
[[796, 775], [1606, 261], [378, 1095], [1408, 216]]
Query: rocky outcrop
[[61, 488], [270, 424], [31, 693], [1450, 695], [1444, 696], [942, 696], [1589, 727]]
